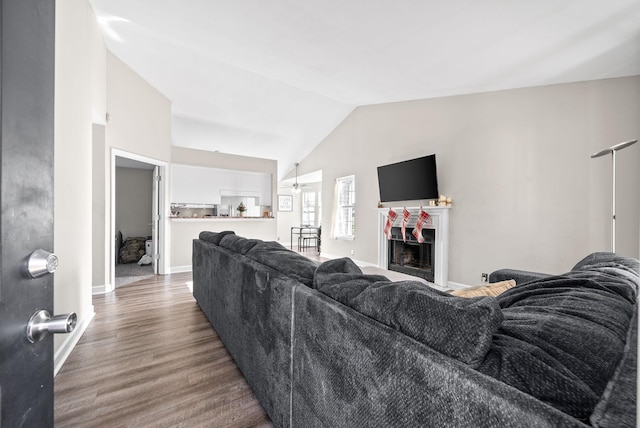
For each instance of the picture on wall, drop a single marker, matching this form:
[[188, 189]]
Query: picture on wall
[[285, 202]]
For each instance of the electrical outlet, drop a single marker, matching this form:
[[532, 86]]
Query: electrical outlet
[[353, 252], [485, 277]]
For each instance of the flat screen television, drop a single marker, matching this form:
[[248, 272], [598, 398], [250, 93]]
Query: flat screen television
[[410, 180]]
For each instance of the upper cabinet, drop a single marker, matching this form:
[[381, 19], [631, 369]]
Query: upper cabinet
[[200, 185]]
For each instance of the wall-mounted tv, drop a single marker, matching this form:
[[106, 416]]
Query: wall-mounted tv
[[410, 180]]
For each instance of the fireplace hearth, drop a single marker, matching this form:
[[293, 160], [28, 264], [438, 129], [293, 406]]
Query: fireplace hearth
[[411, 257]]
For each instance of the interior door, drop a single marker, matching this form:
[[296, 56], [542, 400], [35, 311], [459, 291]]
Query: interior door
[[26, 207], [155, 223]]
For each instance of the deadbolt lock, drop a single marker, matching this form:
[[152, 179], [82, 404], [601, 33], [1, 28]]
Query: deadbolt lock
[[41, 262]]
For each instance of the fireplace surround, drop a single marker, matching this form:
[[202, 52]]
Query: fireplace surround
[[432, 263]]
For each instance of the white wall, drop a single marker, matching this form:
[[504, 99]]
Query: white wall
[[100, 233], [286, 220], [516, 163], [184, 231], [182, 234], [134, 190], [139, 115], [78, 95], [139, 123]]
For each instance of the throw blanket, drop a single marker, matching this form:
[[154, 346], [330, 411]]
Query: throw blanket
[[563, 336]]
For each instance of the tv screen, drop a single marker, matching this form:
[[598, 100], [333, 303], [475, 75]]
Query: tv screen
[[409, 180]]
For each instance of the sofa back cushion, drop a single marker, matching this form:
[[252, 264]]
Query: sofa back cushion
[[214, 237], [461, 328], [277, 257], [268, 253], [238, 244], [563, 337]]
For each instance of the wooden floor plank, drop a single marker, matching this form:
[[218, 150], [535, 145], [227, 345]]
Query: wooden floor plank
[[151, 358]]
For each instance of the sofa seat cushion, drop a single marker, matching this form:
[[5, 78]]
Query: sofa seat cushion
[[562, 337], [277, 257], [458, 327]]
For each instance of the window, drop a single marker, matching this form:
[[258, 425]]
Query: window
[[345, 208], [311, 208]]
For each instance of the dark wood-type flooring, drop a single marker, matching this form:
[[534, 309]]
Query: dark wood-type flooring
[[151, 359]]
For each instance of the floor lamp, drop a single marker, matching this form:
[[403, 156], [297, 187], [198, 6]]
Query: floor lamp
[[613, 150]]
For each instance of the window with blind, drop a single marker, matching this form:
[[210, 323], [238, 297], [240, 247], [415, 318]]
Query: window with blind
[[345, 210]]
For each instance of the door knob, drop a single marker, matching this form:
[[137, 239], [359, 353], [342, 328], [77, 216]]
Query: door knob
[[42, 323], [41, 262]]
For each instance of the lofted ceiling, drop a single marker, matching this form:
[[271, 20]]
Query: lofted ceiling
[[273, 78]]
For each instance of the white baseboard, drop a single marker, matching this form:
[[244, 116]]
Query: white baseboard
[[101, 289], [356, 261], [457, 285], [364, 264], [180, 269], [329, 256], [70, 342]]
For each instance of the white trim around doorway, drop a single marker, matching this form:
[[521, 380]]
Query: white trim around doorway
[[163, 241]]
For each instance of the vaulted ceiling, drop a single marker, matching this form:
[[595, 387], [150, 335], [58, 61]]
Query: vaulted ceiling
[[273, 78]]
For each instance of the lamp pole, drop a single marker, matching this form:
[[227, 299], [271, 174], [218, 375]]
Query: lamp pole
[[613, 150]]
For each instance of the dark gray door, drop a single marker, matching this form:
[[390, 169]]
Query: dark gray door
[[26, 207]]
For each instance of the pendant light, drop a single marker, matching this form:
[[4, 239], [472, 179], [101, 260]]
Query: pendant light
[[296, 187]]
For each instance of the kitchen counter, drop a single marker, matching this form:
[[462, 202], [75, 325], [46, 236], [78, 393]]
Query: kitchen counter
[[184, 230], [220, 218]]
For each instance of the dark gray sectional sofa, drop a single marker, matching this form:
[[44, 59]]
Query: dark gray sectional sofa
[[327, 346]]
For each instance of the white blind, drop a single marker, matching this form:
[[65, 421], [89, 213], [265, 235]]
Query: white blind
[[345, 210]]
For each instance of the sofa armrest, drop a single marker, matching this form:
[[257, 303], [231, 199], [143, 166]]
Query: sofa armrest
[[520, 276]]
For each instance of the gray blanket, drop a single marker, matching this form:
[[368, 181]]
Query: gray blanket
[[563, 336]]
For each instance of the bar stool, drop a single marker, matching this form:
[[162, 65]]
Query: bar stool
[[315, 239]]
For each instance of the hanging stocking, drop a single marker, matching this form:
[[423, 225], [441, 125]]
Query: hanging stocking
[[422, 219], [391, 217], [406, 215]]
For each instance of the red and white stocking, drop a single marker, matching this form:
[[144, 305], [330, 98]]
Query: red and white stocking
[[406, 215], [391, 217], [422, 219]]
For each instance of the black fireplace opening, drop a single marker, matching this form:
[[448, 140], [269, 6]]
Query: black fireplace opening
[[409, 256]]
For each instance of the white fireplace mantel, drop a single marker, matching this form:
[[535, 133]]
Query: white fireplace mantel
[[439, 220]]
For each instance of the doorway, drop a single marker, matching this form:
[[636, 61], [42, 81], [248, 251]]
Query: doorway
[[134, 213], [137, 224]]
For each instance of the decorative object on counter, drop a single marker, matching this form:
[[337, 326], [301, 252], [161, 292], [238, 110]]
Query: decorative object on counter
[[380, 204], [241, 209], [285, 203]]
